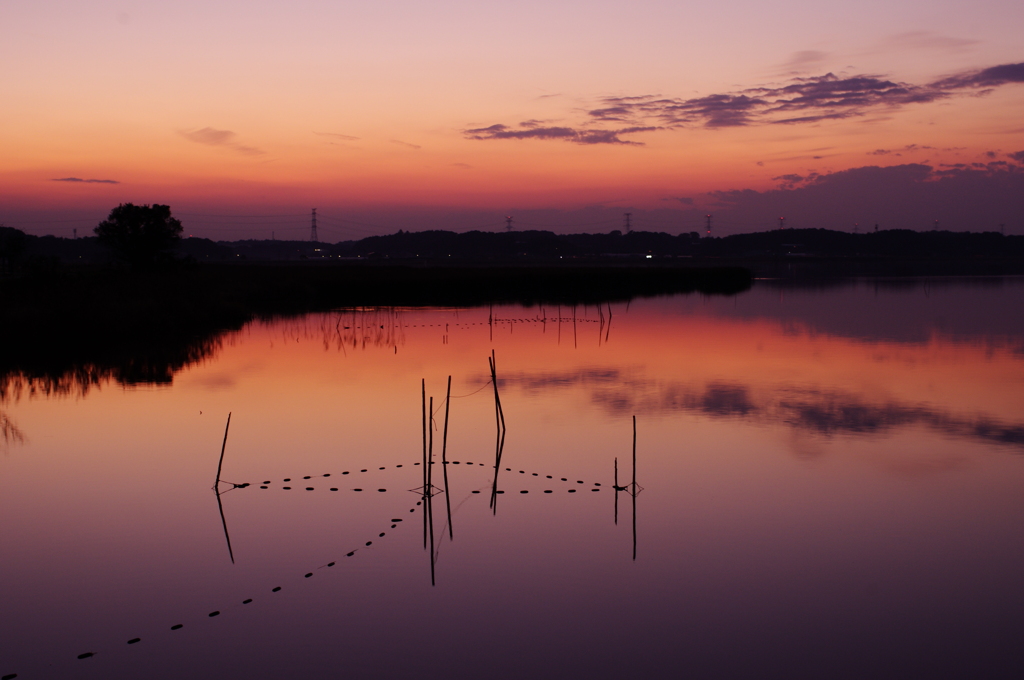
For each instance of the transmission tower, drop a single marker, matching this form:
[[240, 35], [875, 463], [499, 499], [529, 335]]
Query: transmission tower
[[312, 229], [708, 218], [629, 223], [782, 223], [508, 223]]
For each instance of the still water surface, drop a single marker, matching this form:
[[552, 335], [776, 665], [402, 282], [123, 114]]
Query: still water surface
[[831, 487]]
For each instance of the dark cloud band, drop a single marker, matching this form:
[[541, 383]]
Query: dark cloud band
[[801, 100], [567, 134]]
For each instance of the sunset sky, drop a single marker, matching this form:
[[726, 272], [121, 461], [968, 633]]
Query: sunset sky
[[453, 114]]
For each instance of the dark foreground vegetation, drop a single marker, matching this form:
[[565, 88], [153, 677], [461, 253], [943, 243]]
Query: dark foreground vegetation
[[83, 325]]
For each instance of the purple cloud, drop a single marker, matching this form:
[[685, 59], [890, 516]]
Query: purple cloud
[[85, 181], [223, 138], [793, 180], [568, 134], [985, 78], [965, 196], [800, 101]]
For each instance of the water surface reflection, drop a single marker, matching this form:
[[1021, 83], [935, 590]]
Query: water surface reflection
[[830, 489]]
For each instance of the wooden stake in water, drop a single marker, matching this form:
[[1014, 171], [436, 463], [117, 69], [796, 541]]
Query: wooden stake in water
[[499, 417], [430, 452], [423, 387], [220, 463], [574, 326], [634, 453]]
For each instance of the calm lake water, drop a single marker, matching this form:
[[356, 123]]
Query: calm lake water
[[830, 486]]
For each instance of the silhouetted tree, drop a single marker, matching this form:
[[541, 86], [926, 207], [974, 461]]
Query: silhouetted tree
[[12, 244], [139, 234]]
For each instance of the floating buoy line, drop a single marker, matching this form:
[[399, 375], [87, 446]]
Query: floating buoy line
[[427, 491], [394, 523]]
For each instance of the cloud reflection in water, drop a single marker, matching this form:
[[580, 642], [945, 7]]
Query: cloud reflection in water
[[820, 411]]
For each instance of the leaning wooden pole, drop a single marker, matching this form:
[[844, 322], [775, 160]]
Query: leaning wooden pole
[[423, 388], [497, 398], [499, 418], [430, 451], [220, 463], [497, 439]]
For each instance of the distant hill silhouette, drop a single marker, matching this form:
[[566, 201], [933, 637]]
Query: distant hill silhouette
[[540, 246]]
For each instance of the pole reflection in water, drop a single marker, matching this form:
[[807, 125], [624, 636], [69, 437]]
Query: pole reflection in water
[[428, 491], [217, 492], [499, 418], [633, 489], [224, 523], [444, 458]]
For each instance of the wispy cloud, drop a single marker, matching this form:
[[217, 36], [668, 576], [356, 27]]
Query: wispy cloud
[[792, 180], [222, 138], [803, 100], [337, 135], [927, 40], [567, 134], [85, 181], [406, 144], [991, 77], [803, 59], [909, 148]]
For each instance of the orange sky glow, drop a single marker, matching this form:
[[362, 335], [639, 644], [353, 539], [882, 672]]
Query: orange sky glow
[[467, 112]]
